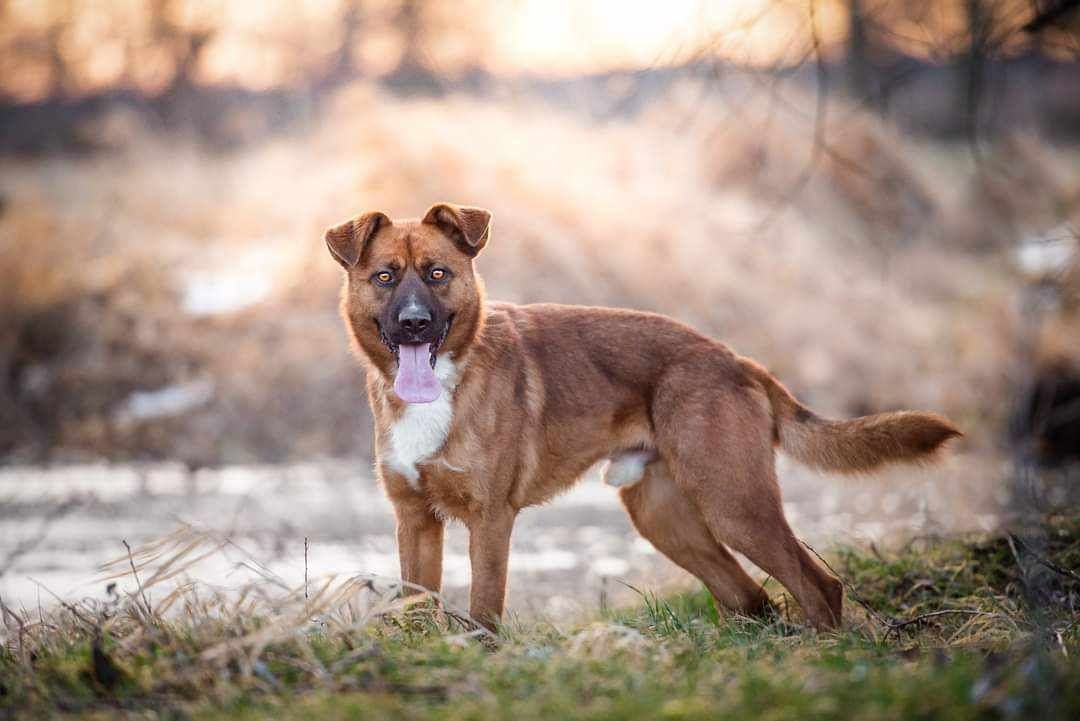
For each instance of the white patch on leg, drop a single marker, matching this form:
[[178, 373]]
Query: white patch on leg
[[628, 468], [421, 430]]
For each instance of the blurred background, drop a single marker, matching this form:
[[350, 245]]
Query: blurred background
[[879, 200]]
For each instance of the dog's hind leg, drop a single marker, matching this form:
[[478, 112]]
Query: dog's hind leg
[[672, 523], [717, 438]]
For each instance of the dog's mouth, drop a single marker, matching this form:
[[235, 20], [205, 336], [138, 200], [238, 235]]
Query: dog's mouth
[[433, 347], [415, 380]]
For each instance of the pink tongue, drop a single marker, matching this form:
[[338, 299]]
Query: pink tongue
[[416, 381]]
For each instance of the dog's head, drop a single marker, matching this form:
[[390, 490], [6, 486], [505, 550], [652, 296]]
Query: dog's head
[[411, 293]]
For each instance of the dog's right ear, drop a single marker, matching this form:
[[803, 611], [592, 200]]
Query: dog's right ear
[[348, 241]]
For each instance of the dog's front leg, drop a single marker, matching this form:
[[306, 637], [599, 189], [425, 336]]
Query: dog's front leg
[[420, 544], [489, 551]]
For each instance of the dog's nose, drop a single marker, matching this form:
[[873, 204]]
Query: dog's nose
[[414, 319]]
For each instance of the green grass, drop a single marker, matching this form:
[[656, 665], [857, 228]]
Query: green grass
[[668, 657]]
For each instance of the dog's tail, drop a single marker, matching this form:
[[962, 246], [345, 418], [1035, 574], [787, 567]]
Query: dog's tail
[[861, 444]]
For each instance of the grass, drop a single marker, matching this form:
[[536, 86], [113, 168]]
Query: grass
[[350, 649]]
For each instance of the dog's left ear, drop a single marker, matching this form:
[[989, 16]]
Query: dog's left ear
[[470, 228]]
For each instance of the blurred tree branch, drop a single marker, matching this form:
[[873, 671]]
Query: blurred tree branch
[[1060, 13]]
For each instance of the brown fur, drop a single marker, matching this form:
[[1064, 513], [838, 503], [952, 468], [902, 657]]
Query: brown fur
[[546, 391], [852, 446]]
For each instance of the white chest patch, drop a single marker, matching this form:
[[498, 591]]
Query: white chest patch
[[421, 430]]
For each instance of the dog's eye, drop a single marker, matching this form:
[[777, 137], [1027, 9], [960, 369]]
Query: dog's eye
[[437, 274], [384, 277]]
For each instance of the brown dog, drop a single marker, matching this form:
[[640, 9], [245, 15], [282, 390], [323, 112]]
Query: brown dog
[[482, 409]]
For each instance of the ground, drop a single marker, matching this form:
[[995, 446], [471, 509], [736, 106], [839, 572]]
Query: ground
[[62, 522], [950, 628]]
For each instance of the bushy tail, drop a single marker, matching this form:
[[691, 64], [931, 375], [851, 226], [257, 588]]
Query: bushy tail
[[861, 444]]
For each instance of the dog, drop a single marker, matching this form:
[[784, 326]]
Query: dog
[[482, 409]]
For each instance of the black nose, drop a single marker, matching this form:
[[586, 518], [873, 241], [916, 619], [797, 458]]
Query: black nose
[[414, 319]]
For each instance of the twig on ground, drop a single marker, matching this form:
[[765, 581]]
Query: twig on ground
[[6, 613], [894, 624], [74, 611], [138, 583], [883, 620], [1045, 561], [1019, 563]]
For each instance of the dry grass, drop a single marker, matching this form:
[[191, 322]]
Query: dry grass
[[872, 279], [948, 628], [161, 633]]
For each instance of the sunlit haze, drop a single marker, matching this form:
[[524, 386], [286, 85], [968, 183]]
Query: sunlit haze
[[563, 36], [266, 44]]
